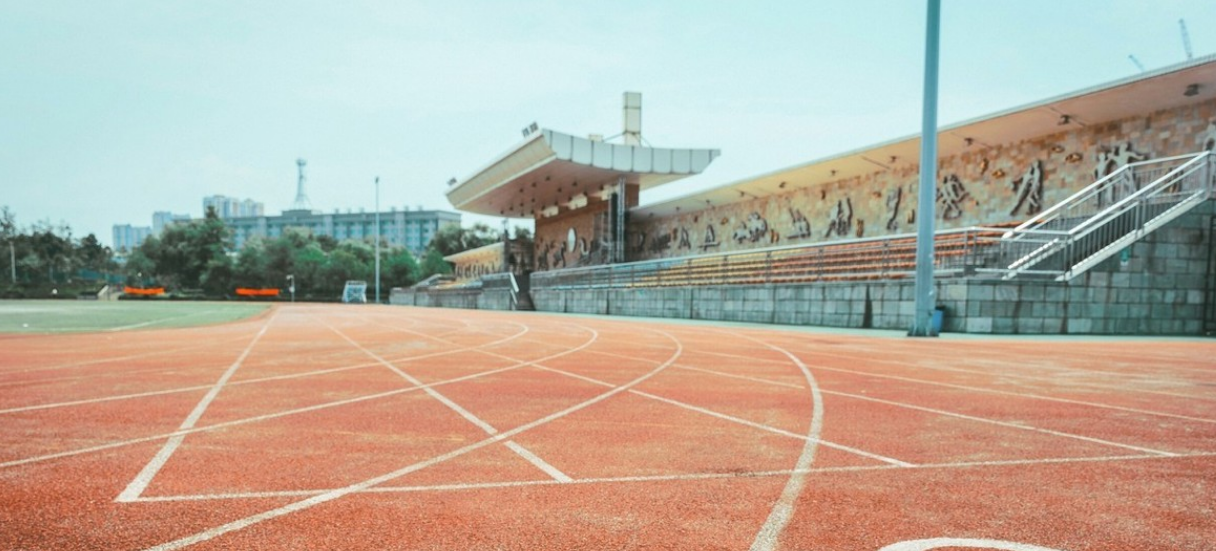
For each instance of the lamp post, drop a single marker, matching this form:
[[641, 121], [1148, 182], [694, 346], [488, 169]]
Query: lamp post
[[292, 286], [12, 260], [922, 324], [377, 240]]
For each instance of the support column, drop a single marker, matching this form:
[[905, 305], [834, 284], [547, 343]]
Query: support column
[[926, 215]]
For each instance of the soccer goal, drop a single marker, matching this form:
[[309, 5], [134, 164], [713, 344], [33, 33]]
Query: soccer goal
[[355, 291]]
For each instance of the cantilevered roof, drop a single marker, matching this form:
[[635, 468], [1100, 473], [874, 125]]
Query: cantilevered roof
[[551, 168], [1140, 94]]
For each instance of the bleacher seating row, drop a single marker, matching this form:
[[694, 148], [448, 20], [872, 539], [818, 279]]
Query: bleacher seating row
[[874, 259]]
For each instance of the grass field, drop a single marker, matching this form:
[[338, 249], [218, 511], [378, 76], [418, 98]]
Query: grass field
[[70, 316]]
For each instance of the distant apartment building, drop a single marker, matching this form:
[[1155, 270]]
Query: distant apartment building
[[412, 229], [233, 207], [128, 237], [161, 219]]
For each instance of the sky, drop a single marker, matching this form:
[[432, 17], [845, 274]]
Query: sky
[[110, 111]]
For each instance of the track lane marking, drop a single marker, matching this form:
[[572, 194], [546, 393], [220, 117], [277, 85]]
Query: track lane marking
[[731, 418], [307, 409], [468, 415], [145, 476], [991, 391], [1007, 424], [673, 477], [1061, 383], [341, 492]]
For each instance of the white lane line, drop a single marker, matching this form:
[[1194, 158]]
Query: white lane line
[[247, 420], [545, 466], [83, 363], [360, 486], [988, 390], [732, 418], [1000, 423], [145, 476], [667, 478], [122, 443], [156, 321], [247, 381], [1018, 394], [468, 415], [783, 509], [774, 430], [1060, 381], [702, 370]]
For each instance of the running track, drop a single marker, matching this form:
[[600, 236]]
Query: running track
[[332, 427]]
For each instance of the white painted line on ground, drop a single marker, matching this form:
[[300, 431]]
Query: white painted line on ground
[[1000, 423], [258, 418], [667, 478], [145, 476], [1019, 394], [156, 321], [545, 466], [360, 486], [468, 415], [783, 509], [992, 391], [774, 430], [722, 373], [1071, 384], [732, 418]]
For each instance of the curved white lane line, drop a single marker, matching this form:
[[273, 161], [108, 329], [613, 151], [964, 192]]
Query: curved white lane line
[[360, 486], [779, 517]]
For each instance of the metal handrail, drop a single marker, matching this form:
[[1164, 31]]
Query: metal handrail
[[1083, 235]]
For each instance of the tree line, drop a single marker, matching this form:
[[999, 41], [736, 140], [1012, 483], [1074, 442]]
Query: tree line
[[197, 258]]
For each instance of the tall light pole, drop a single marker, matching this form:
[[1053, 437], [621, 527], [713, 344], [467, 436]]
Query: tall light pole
[[12, 260], [292, 286], [922, 324], [377, 240]]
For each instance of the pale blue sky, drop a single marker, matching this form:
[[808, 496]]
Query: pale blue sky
[[112, 110]]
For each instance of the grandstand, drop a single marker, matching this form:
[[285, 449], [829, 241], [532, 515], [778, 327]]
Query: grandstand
[[1089, 213]]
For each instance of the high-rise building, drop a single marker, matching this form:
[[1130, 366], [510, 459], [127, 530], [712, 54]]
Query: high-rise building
[[233, 207], [412, 229], [162, 218], [128, 237]]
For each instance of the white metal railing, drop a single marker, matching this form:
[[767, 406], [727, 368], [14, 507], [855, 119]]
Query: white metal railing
[[1108, 215]]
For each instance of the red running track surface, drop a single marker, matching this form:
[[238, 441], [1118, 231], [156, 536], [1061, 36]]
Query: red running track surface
[[327, 427]]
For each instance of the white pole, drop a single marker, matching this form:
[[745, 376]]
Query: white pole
[[926, 208], [377, 240]]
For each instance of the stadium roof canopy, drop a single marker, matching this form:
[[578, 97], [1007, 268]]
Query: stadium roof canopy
[[550, 168], [1165, 88]]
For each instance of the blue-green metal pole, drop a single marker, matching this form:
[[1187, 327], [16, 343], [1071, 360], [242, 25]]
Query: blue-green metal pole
[[922, 324]]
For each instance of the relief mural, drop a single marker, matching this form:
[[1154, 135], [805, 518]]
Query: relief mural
[[950, 196], [1029, 189], [996, 184], [1110, 160]]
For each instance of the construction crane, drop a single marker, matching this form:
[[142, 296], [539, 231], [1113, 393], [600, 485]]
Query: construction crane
[[1136, 62], [1186, 39]]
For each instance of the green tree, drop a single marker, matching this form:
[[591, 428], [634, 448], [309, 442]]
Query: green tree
[[184, 253], [433, 263], [452, 238], [401, 268]]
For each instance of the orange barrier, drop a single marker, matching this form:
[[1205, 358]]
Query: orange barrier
[[247, 292], [150, 291]]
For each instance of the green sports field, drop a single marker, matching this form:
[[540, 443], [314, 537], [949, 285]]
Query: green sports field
[[67, 316]]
